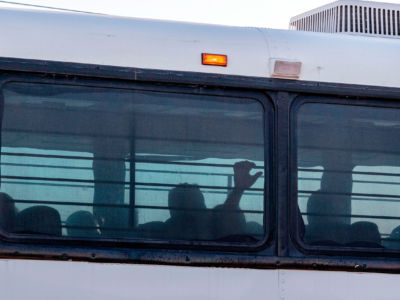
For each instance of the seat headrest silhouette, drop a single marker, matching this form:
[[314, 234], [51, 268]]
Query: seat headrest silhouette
[[82, 224], [364, 231], [39, 220], [7, 212]]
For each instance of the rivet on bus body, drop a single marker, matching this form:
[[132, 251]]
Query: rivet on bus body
[[285, 68]]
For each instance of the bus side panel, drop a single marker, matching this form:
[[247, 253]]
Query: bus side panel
[[334, 285], [29, 279], [23, 279]]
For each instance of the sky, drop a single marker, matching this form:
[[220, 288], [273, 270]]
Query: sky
[[253, 13]]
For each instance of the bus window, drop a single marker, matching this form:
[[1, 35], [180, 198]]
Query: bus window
[[348, 160], [132, 164]]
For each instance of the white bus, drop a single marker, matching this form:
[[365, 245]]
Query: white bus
[[145, 159]]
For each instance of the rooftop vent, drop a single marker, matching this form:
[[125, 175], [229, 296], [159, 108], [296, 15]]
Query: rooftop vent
[[351, 17]]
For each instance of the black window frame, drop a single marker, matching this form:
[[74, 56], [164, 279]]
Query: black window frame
[[158, 86], [282, 250], [299, 244]]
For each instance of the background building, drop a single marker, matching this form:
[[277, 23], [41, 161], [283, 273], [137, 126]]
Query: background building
[[353, 17]]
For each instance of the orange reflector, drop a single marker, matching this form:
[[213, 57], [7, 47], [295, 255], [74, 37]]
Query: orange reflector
[[214, 59], [286, 69]]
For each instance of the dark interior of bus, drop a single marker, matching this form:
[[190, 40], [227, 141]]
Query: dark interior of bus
[[348, 174], [91, 162], [88, 162]]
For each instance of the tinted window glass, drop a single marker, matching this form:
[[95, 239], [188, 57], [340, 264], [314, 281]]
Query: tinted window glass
[[349, 175], [111, 163]]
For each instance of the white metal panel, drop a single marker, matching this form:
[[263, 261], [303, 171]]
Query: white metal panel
[[130, 42], [34, 280], [317, 285], [178, 46], [38, 280], [339, 58], [347, 14]]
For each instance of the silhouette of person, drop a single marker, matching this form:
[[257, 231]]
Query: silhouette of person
[[188, 213], [190, 218], [228, 217]]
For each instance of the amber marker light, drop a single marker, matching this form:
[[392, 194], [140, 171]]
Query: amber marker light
[[214, 59]]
